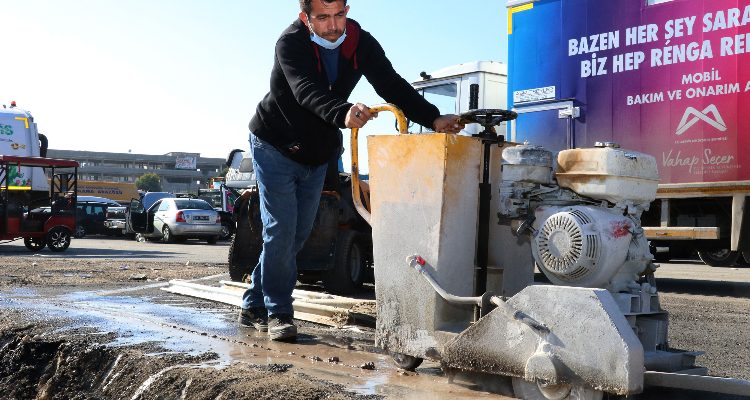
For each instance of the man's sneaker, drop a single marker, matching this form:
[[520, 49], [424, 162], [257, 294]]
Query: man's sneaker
[[256, 317], [281, 327]]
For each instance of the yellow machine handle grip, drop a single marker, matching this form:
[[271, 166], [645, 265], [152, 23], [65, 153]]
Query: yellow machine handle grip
[[402, 129]]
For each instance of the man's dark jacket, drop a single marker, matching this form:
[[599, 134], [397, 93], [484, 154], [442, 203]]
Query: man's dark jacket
[[303, 109]]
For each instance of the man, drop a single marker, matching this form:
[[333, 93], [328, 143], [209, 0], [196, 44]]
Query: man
[[295, 133]]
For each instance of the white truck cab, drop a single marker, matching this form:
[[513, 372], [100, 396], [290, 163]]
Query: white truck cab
[[19, 137], [449, 88]]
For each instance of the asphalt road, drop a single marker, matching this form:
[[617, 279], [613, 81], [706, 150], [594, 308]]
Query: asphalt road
[[121, 248], [676, 273]]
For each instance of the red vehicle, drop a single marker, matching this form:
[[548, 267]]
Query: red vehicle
[[41, 217]]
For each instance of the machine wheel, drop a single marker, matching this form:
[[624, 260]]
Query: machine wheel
[[34, 243], [166, 234], [58, 238], [212, 240], [719, 258], [407, 362], [526, 390], [80, 231], [349, 269]]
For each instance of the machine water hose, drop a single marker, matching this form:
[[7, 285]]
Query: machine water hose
[[418, 263], [356, 194]]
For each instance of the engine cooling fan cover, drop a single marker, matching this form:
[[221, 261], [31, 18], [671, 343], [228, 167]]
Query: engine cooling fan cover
[[566, 246]]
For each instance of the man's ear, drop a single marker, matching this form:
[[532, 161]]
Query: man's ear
[[303, 17]]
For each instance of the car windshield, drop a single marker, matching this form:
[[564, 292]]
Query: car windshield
[[192, 204]]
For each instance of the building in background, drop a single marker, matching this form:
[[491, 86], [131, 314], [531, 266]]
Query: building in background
[[179, 172]]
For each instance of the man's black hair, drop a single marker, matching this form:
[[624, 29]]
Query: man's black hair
[[306, 5]]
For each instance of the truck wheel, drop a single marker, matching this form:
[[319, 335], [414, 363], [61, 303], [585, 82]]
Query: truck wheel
[[409, 363], [350, 265], [719, 258], [524, 389], [166, 235], [34, 243], [58, 238], [80, 231]]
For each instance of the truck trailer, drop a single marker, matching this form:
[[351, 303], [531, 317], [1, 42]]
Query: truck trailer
[[664, 77]]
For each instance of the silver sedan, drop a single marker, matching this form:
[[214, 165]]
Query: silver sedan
[[178, 219]]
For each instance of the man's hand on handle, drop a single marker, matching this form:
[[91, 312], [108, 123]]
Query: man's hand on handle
[[358, 115], [448, 123]]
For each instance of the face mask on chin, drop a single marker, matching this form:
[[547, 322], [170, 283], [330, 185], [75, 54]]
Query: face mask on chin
[[324, 43]]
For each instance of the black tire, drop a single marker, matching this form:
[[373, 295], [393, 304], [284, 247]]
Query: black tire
[[80, 231], [350, 265], [241, 267], [212, 240], [58, 238], [409, 363], [719, 258], [34, 243], [166, 234], [225, 232]]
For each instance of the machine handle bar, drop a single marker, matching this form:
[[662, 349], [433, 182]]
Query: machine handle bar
[[356, 194]]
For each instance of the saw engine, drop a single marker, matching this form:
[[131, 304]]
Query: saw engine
[[584, 220]]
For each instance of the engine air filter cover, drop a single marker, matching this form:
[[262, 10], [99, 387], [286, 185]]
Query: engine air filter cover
[[581, 245], [527, 163]]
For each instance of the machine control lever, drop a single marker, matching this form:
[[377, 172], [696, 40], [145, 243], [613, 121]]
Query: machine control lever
[[520, 316]]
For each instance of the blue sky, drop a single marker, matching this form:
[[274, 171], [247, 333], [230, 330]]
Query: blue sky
[[185, 75]]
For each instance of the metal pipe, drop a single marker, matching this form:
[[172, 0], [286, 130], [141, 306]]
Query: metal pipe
[[693, 382], [418, 263], [402, 129]]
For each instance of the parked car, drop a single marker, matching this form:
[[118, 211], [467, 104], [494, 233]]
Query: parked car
[[115, 220], [91, 214], [176, 219], [146, 201]]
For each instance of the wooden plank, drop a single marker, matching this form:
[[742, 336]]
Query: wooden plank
[[703, 189], [308, 306], [681, 233]]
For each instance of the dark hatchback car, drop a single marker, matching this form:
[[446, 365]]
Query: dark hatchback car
[[91, 213]]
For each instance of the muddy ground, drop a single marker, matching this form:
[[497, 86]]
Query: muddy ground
[[61, 355], [57, 358]]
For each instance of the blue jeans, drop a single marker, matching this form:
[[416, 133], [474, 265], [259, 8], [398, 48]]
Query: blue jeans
[[289, 198]]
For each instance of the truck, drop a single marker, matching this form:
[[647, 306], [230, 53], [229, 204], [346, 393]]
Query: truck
[[121, 192], [665, 77], [39, 210]]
